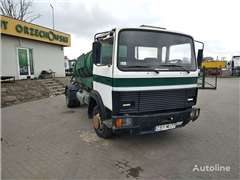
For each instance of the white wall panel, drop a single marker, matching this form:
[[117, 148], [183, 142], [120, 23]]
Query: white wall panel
[[45, 56]]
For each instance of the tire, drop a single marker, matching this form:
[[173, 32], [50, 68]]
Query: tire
[[100, 128], [76, 103], [69, 103]]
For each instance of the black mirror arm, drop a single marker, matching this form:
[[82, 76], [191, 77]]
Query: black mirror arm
[[200, 43]]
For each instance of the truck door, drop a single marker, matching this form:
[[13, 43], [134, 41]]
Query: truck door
[[103, 73]]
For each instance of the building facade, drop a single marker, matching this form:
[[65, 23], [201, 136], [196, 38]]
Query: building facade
[[28, 49]]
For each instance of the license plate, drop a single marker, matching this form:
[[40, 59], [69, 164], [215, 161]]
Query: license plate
[[164, 127]]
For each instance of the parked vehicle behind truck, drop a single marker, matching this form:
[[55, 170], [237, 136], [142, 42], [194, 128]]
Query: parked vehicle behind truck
[[137, 80], [234, 69], [213, 67]]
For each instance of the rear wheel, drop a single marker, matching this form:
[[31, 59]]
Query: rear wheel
[[69, 103], [77, 103], [100, 128]]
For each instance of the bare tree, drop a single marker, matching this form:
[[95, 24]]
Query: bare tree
[[10, 8]]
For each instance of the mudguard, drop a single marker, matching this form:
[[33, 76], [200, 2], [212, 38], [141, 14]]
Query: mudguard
[[72, 91], [95, 99]]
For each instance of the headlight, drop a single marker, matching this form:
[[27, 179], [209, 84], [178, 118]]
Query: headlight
[[121, 122], [127, 122], [194, 113]]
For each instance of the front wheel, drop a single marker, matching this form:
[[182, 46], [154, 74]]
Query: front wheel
[[100, 128]]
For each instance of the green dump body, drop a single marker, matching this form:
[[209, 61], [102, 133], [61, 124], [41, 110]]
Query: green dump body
[[83, 70]]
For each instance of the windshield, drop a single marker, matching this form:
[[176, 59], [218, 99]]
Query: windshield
[[156, 51], [237, 58]]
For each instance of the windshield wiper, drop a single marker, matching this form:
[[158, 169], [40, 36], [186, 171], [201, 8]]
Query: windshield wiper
[[174, 65], [145, 67]]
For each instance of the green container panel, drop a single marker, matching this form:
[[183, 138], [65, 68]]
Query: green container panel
[[83, 67]]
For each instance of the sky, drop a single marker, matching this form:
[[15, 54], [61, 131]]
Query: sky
[[214, 22]]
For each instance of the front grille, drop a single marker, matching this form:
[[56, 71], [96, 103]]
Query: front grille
[[152, 101], [162, 100]]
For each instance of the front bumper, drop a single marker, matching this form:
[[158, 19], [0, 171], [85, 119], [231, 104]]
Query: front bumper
[[144, 124]]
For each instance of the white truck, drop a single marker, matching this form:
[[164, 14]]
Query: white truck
[[137, 80], [234, 68]]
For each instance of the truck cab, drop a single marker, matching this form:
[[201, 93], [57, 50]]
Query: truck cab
[[234, 69], [144, 80]]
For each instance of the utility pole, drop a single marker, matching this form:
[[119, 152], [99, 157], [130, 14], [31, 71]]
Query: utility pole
[[52, 15]]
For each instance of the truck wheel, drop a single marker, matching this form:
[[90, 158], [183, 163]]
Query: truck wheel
[[76, 103], [70, 103], [100, 128]]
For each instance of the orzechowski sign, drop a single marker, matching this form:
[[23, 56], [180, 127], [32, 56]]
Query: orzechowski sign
[[14, 27]]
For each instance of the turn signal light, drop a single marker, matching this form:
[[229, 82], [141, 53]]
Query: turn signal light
[[197, 113], [119, 122]]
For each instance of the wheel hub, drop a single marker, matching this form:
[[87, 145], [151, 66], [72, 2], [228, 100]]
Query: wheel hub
[[96, 121]]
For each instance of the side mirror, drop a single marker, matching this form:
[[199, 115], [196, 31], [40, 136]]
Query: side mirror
[[200, 57], [96, 52], [200, 54]]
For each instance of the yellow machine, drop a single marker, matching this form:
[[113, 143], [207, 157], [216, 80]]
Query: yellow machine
[[214, 64]]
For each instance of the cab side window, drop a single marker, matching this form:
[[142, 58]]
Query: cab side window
[[106, 52]]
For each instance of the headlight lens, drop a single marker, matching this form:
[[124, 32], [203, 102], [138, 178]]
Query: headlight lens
[[127, 122], [192, 114], [121, 122]]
